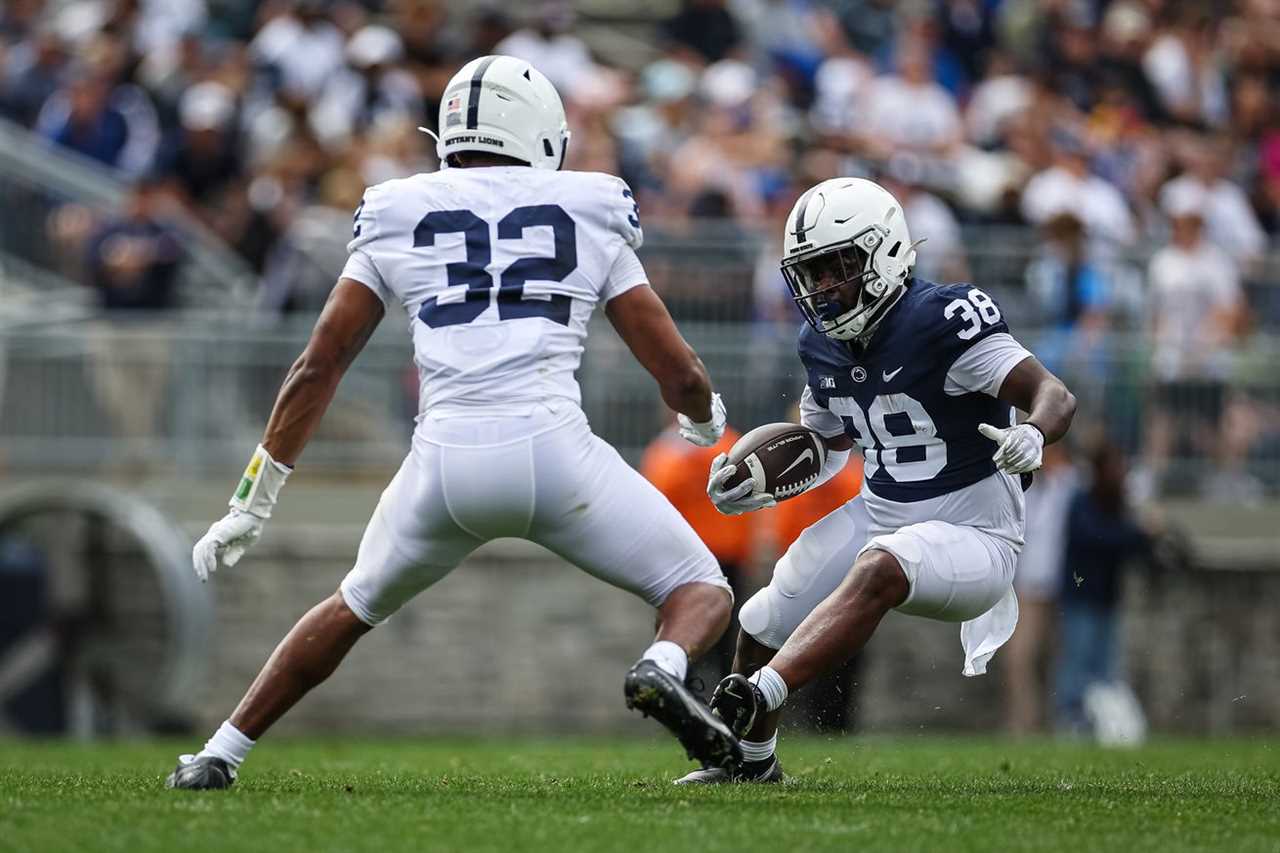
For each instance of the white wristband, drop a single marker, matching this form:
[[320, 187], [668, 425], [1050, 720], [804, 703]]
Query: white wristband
[[261, 484]]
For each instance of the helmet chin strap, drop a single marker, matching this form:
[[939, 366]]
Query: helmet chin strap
[[865, 335], [443, 160]]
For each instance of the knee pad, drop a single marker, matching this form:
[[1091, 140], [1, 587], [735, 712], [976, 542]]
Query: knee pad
[[771, 614], [755, 617], [813, 566]]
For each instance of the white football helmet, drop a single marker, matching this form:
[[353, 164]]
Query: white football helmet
[[846, 256], [503, 105]]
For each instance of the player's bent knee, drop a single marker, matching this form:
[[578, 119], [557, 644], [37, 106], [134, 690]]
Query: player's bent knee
[[769, 617], [876, 574], [717, 596], [660, 596], [354, 603]]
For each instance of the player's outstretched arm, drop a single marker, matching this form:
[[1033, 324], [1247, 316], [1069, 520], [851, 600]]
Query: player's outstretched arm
[[350, 316], [1050, 407], [348, 319], [647, 329]]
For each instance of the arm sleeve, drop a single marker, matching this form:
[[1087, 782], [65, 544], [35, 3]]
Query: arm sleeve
[[627, 272], [984, 366], [818, 417], [832, 465], [360, 264]]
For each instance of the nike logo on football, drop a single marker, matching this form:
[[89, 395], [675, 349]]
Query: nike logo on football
[[807, 455], [889, 376]]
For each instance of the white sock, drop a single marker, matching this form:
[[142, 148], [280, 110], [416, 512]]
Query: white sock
[[753, 750], [229, 744], [772, 687], [669, 657]]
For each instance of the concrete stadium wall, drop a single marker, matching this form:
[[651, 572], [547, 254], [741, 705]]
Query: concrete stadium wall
[[516, 639]]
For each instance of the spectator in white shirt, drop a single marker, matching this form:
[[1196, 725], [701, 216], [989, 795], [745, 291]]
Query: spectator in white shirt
[[839, 84], [1229, 220], [1195, 300], [1068, 186], [941, 256], [549, 45], [1184, 67], [1002, 94], [374, 90], [908, 110], [302, 46], [1196, 305]]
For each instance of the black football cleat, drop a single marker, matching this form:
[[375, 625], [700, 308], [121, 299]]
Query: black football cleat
[[768, 771], [658, 694], [201, 773], [738, 702]]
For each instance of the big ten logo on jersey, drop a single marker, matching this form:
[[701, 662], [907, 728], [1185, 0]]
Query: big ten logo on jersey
[[896, 434], [976, 310], [454, 307]]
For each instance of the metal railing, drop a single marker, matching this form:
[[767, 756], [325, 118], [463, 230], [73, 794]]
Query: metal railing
[[38, 179], [191, 392], [721, 271]]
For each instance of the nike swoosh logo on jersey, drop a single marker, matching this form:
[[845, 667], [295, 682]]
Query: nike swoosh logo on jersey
[[807, 455], [888, 377]]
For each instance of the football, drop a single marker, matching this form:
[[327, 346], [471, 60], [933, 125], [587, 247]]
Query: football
[[784, 459]]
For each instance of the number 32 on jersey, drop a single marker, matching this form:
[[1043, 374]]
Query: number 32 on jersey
[[473, 273]]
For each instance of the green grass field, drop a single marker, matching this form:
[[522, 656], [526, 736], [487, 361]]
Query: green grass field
[[510, 794]]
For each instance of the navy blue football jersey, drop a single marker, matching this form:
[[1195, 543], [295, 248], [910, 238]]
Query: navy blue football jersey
[[918, 442]]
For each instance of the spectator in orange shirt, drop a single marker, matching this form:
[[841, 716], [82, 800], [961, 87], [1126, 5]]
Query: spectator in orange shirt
[[679, 470]]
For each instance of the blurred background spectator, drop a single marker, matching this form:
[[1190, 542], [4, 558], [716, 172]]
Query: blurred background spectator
[[1030, 652], [132, 263], [1196, 311], [1072, 290], [1102, 538]]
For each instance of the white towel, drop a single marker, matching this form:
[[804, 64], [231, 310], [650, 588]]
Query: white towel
[[981, 637]]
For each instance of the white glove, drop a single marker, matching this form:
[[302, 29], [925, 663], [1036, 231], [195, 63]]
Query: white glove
[[251, 506], [704, 434], [740, 498], [226, 542], [1021, 447]]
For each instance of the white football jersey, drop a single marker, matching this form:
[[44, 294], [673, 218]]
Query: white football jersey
[[498, 270]]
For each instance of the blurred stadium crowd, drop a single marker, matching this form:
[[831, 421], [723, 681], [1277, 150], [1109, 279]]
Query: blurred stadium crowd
[[1110, 117], [1130, 148]]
